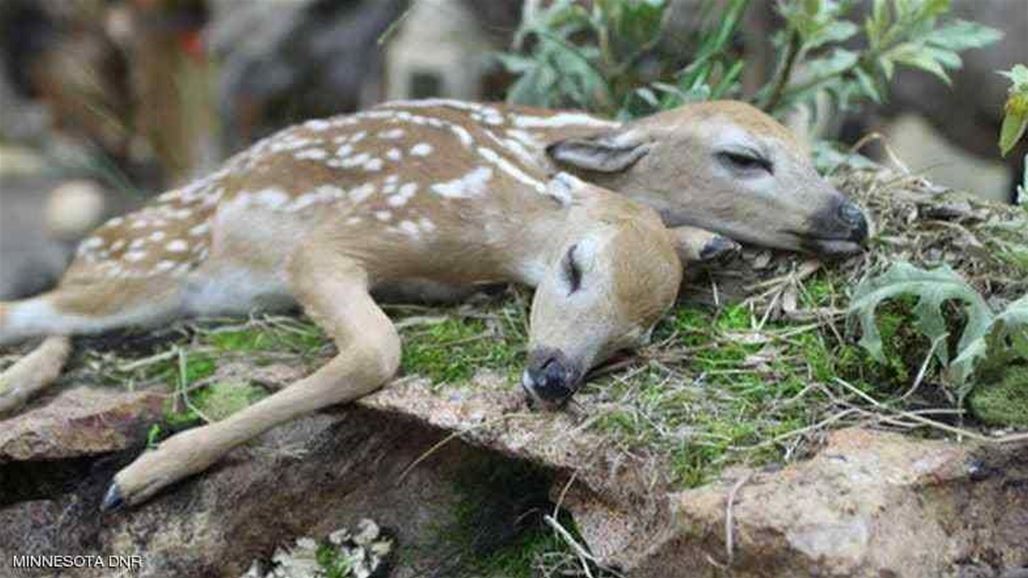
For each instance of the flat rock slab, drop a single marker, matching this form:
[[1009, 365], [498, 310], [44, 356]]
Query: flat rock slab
[[869, 504], [306, 478], [78, 422]]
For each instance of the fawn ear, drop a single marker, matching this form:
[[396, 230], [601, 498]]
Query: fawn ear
[[606, 152]]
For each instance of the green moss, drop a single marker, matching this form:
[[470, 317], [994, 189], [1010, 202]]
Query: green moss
[[734, 317], [740, 389], [1003, 404], [332, 562], [451, 350], [215, 402], [220, 400], [497, 530], [519, 558], [298, 336]]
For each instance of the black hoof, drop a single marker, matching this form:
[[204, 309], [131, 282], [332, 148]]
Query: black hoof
[[719, 249], [112, 499]]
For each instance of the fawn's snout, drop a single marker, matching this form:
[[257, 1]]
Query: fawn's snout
[[851, 216], [839, 230], [551, 378]]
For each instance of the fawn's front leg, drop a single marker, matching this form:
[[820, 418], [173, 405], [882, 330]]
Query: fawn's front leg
[[334, 292]]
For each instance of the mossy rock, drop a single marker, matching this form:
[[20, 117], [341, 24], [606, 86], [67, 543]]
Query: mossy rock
[[1004, 403]]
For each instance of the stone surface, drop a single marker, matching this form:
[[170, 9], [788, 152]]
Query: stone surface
[[79, 422], [306, 478], [868, 504]]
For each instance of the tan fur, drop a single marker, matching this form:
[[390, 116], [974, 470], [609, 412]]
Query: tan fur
[[439, 191], [33, 373], [322, 213]]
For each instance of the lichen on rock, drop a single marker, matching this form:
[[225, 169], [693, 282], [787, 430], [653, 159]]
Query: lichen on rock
[[344, 554]]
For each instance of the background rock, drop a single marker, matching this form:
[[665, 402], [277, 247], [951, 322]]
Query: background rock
[[80, 422], [868, 504]]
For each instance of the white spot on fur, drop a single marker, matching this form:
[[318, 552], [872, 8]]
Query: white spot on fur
[[470, 185], [409, 189], [311, 154], [157, 236], [410, 229], [317, 125], [394, 154], [361, 193], [373, 165], [393, 134], [353, 221], [426, 224], [177, 246], [355, 161], [271, 198], [200, 229], [463, 135], [383, 215], [422, 149], [170, 196], [562, 187], [561, 120], [135, 256], [320, 195], [509, 168], [403, 195]]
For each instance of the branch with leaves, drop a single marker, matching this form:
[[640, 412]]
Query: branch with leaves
[[605, 59]]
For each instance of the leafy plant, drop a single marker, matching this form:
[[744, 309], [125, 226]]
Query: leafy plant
[[607, 59], [987, 340], [1015, 120], [912, 33]]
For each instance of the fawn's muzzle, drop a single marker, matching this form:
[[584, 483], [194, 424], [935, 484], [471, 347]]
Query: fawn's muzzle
[[851, 215], [550, 378]]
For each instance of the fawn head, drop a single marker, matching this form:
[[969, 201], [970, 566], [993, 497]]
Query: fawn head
[[723, 166], [605, 289]]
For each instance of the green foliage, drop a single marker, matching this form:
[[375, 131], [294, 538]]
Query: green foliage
[[987, 340], [1004, 342], [608, 59], [450, 350], [1015, 120], [220, 400], [215, 402], [300, 338], [1004, 403], [737, 399], [332, 562], [604, 58]]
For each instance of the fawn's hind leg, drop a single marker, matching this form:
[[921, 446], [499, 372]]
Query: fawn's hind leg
[[334, 292], [69, 310], [33, 373]]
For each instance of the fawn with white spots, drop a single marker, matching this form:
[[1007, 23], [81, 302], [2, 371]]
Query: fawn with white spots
[[435, 191]]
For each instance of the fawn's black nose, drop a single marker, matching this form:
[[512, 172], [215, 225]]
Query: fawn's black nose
[[851, 215], [550, 378]]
